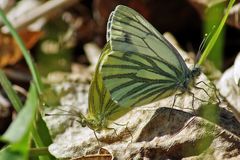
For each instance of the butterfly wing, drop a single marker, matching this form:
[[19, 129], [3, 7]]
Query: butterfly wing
[[101, 106], [142, 66]]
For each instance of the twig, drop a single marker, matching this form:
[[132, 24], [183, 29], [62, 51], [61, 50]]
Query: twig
[[45, 10]]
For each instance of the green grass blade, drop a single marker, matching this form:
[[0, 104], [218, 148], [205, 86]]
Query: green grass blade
[[214, 16], [216, 34], [41, 136], [23, 123], [27, 56], [19, 150], [40, 132], [40, 140], [8, 153], [12, 95]]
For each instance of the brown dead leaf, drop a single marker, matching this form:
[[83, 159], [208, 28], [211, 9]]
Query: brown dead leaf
[[10, 52]]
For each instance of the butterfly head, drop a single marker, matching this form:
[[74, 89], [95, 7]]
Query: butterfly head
[[89, 122], [94, 124], [83, 122], [195, 72]]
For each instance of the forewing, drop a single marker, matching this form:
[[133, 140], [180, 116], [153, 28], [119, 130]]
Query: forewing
[[142, 66]]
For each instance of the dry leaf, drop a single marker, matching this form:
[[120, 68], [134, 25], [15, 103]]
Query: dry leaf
[[236, 70], [228, 87], [10, 52]]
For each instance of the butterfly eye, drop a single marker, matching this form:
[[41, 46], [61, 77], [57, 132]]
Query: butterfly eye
[[196, 71], [83, 123]]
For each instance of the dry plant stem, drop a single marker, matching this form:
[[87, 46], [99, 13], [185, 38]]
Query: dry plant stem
[[45, 10]]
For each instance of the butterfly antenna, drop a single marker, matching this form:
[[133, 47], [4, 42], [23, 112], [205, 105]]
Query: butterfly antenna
[[80, 117], [58, 114], [202, 45], [67, 113]]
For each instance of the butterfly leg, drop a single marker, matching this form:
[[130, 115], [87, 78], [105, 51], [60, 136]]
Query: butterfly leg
[[97, 138], [205, 84], [173, 104], [203, 90], [114, 130], [175, 98], [127, 129], [213, 87], [118, 137], [193, 98], [196, 97]]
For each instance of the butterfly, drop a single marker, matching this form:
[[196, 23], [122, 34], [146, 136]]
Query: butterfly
[[102, 110], [142, 66], [137, 66]]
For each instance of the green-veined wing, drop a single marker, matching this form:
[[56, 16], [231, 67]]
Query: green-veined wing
[[101, 109], [142, 66]]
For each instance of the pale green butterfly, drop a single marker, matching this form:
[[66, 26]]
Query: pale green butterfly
[[102, 110], [142, 66]]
